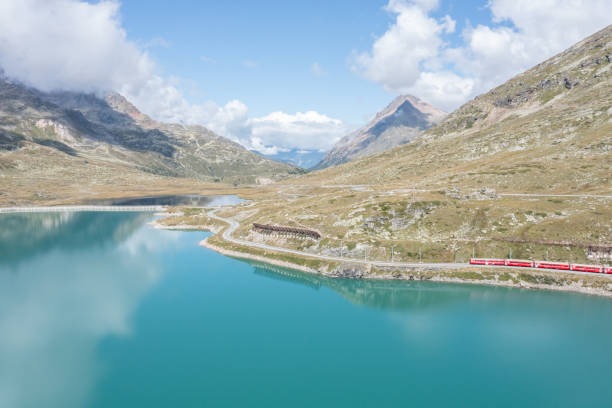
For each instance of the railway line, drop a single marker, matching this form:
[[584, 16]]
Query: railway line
[[527, 263], [233, 225]]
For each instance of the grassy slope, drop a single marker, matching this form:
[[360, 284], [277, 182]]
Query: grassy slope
[[531, 134], [537, 133], [524, 136], [38, 175], [66, 146]]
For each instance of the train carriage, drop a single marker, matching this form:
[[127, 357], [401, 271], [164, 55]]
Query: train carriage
[[524, 263], [587, 268], [553, 265], [487, 261], [519, 262]]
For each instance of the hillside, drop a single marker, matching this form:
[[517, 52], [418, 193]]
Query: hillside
[[400, 122], [113, 131], [547, 129], [526, 164]]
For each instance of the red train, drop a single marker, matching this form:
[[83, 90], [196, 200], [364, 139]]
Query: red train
[[542, 264]]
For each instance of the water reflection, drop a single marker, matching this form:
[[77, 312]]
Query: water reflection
[[61, 291], [214, 333], [23, 236], [379, 294], [195, 200], [287, 275]]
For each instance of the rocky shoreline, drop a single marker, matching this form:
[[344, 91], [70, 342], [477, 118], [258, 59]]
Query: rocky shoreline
[[184, 227], [242, 255], [598, 285]]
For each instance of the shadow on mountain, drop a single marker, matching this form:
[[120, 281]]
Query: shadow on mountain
[[36, 234], [10, 140], [378, 294], [192, 200], [405, 114], [62, 147], [94, 117], [89, 115]]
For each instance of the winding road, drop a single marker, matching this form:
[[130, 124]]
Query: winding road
[[233, 225]]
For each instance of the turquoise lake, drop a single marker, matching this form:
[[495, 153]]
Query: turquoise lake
[[101, 310]]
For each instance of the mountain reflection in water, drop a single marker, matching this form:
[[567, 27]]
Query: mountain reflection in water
[[23, 236], [66, 281], [101, 310], [194, 200], [379, 294]]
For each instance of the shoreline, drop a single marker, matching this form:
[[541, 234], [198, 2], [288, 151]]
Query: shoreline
[[183, 227], [425, 274], [82, 208], [241, 255], [567, 282], [524, 278]]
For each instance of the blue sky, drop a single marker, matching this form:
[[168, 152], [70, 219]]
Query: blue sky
[[206, 44], [282, 75]]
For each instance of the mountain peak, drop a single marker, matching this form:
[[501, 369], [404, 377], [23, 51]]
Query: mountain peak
[[119, 103], [397, 124], [415, 102], [534, 132]]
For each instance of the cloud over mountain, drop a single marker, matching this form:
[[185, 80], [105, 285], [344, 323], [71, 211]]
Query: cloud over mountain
[[414, 56], [79, 46], [70, 45], [302, 130]]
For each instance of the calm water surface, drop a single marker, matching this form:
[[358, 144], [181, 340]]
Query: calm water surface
[[195, 200], [100, 310]]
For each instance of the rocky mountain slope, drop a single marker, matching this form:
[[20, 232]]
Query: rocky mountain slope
[[400, 122], [523, 171], [548, 129], [112, 130]]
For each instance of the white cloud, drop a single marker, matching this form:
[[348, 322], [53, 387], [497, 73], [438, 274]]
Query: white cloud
[[65, 44], [444, 86], [317, 70], [540, 29], [412, 56], [395, 59], [257, 144], [307, 130], [79, 46], [230, 120], [204, 58]]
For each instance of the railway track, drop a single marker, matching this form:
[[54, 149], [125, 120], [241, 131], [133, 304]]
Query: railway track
[[233, 225]]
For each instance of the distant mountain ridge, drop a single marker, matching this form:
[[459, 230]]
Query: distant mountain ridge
[[113, 130], [405, 118], [304, 158]]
